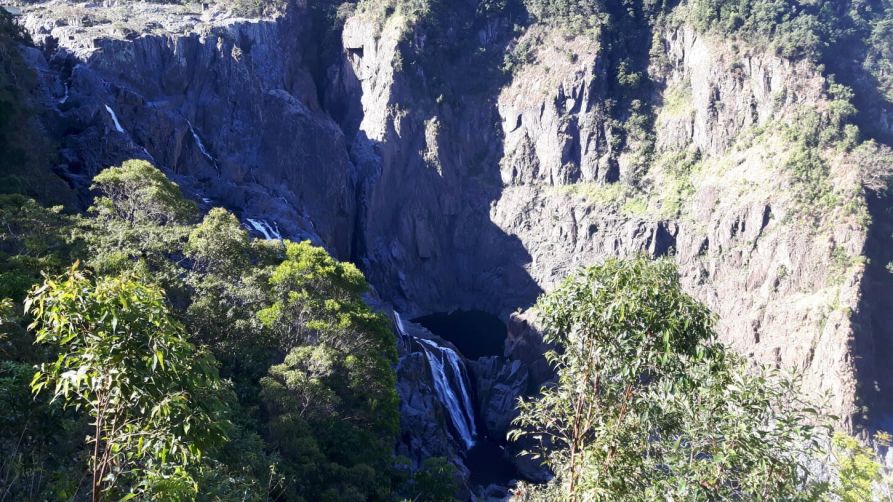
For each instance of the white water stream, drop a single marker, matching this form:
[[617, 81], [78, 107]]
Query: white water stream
[[114, 118], [450, 384], [264, 228]]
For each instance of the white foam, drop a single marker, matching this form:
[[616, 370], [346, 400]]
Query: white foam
[[114, 118], [265, 229]]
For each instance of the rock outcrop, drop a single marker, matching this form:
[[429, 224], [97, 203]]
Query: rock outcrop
[[499, 382]]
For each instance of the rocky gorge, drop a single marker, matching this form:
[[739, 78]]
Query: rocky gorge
[[457, 184]]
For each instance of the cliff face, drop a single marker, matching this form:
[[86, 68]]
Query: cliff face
[[455, 185], [428, 241], [718, 195], [228, 104], [780, 260]]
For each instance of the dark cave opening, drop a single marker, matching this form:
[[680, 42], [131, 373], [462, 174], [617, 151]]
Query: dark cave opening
[[489, 464], [474, 332]]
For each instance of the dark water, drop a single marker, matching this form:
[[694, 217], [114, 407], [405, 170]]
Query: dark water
[[475, 333], [488, 464]]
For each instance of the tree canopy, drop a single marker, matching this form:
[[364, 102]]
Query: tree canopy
[[126, 361], [648, 405], [197, 362]]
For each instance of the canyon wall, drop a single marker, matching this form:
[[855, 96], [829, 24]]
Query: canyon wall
[[781, 262], [456, 185], [229, 105]]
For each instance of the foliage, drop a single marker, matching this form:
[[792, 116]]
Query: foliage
[[138, 193], [879, 59], [326, 454], [857, 468], [521, 54], [254, 8], [794, 27], [576, 14], [219, 244], [125, 360], [139, 223], [825, 31], [676, 185], [39, 445], [36, 440], [33, 240], [435, 481], [253, 303], [649, 406], [339, 365]]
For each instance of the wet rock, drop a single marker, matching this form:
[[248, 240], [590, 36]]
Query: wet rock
[[499, 383]]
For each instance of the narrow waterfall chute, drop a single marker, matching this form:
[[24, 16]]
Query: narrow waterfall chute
[[459, 408], [265, 229], [199, 143], [114, 118], [450, 384]]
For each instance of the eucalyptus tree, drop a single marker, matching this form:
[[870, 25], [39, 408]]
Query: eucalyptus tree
[[331, 405], [153, 398], [140, 221], [649, 406]]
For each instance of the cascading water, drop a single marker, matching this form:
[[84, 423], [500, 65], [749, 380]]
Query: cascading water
[[450, 384], [265, 229], [114, 118]]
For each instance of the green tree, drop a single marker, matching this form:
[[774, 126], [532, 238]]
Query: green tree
[[122, 358], [435, 481], [332, 404], [140, 223], [649, 406], [219, 244], [137, 192], [33, 239], [228, 285], [857, 467]]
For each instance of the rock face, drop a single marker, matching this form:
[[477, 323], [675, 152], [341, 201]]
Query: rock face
[[499, 383], [784, 285], [739, 238], [427, 239], [227, 104], [423, 421], [457, 188]]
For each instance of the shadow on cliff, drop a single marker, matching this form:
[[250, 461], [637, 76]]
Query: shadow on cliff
[[873, 322], [426, 185]]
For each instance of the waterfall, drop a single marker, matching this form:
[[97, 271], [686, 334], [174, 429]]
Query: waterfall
[[450, 384], [264, 228], [114, 118], [198, 142]]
